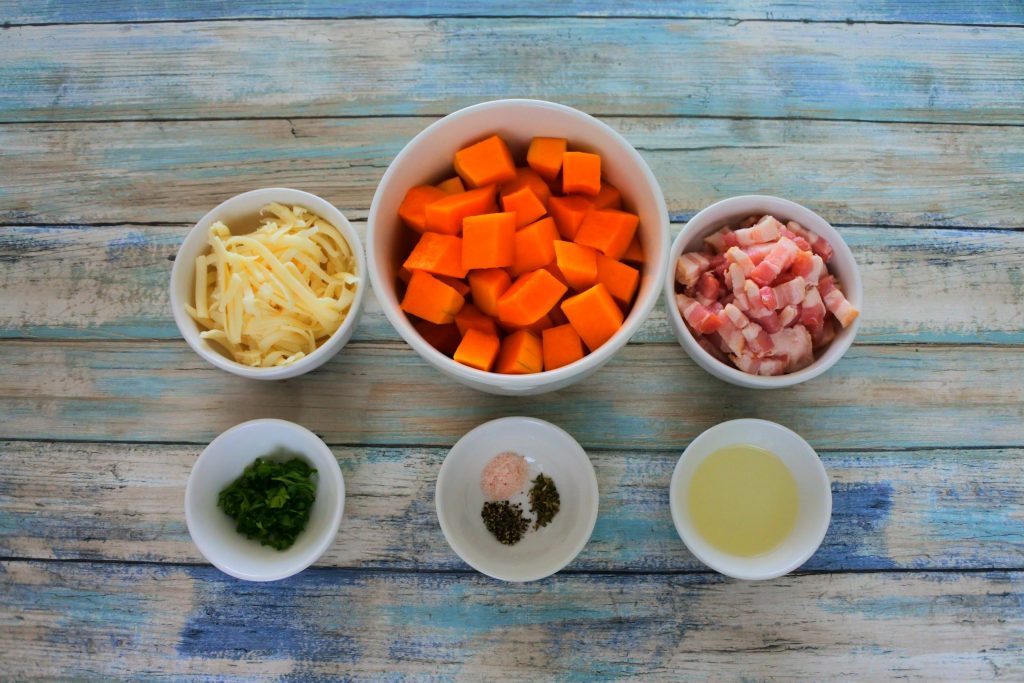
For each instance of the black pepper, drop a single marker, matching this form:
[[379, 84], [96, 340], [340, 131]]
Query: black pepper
[[544, 500], [505, 520]]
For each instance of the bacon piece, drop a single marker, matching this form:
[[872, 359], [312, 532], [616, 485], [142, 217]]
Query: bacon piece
[[741, 259], [758, 252], [717, 240], [759, 341], [697, 315], [718, 266], [732, 337], [789, 315], [778, 259], [819, 245], [824, 334], [756, 309], [835, 302], [736, 316], [809, 266], [795, 345], [787, 294], [749, 221], [797, 239], [734, 277], [690, 267], [753, 365], [812, 311], [765, 230], [709, 286]]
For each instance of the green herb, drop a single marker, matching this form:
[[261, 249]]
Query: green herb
[[505, 520], [544, 500], [271, 501]]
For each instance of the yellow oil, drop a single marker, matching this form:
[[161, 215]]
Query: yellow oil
[[743, 500]]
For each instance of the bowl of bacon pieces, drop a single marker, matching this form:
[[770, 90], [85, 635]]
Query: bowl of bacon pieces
[[762, 292]]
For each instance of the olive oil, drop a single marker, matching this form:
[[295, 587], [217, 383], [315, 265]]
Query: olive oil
[[743, 500]]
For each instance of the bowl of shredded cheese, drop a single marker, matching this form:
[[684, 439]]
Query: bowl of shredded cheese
[[269, 284]]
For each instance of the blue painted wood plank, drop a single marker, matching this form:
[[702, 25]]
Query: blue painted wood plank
[[939, 509], [87, 282], [431, 67], [113, 621], [650, 396], [931, 11], [174, 172]]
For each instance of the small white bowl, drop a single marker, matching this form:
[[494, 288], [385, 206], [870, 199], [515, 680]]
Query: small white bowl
[[240, 214], [729, 212], [428, 157], [459, 499], [813, 489], [222, 462]]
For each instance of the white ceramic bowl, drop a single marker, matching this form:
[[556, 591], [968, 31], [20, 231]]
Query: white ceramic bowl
[[239, 213], [732, 211], [222, 462], [812, 485], [458, 499], [428, 159]]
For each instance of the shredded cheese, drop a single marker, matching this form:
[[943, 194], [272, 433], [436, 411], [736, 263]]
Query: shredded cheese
[[273, 296]]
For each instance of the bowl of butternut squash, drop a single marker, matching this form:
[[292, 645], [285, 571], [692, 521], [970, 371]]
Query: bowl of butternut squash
[[516, 245]]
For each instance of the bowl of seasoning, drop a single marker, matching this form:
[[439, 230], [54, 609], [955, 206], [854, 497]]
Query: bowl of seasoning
[[517, 498], [751, 499], [264, 500]]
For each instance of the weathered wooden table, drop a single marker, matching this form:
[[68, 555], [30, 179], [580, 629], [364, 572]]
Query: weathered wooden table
[[122, 123]]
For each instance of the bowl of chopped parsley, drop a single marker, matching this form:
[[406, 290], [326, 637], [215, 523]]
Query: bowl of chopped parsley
[[517, 498], [264, 500]]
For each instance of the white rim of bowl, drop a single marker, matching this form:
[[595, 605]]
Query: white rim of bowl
[[853, 288], [318, 550], [315, 359], [638, 313], [591, 480], [819, 469]]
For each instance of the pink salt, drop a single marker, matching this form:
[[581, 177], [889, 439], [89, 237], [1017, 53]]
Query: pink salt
[[504, 476]]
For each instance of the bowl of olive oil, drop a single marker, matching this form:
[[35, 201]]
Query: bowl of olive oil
[[751, 499]]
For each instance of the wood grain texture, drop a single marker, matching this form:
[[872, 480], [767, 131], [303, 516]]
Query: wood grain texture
[[111, 282], [850, 172], [930, 11], [102, 621], [649, 396], [681, 67], [934, 509]]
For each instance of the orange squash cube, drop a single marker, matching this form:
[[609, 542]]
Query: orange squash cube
[[594, 315], [529, 298], [489, 240], [561, 346], [545, 156], [486, 286], [569, 212], [521, 354], [413, 209], [620, 279], [478, 349], [446, 214], [428, 298], [486, 162], [525, 204], [437, 254], [577, 264], [581, 172], [609, 231], [535, 246]]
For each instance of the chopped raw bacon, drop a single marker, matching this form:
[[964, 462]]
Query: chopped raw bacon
[[690, 267], [836, 303], [789, 315], [697, 314], [741, 259], [709, 286], [752, 365], [778, 259], [761, 297], [819, 245], [717, 241], [765, 230], [787, 294], [812, 311]]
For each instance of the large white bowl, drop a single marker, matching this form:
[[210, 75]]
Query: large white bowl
[[222, 462], [239, 213], [458, 499], [813, 489], [729, 212], [428, 159]]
